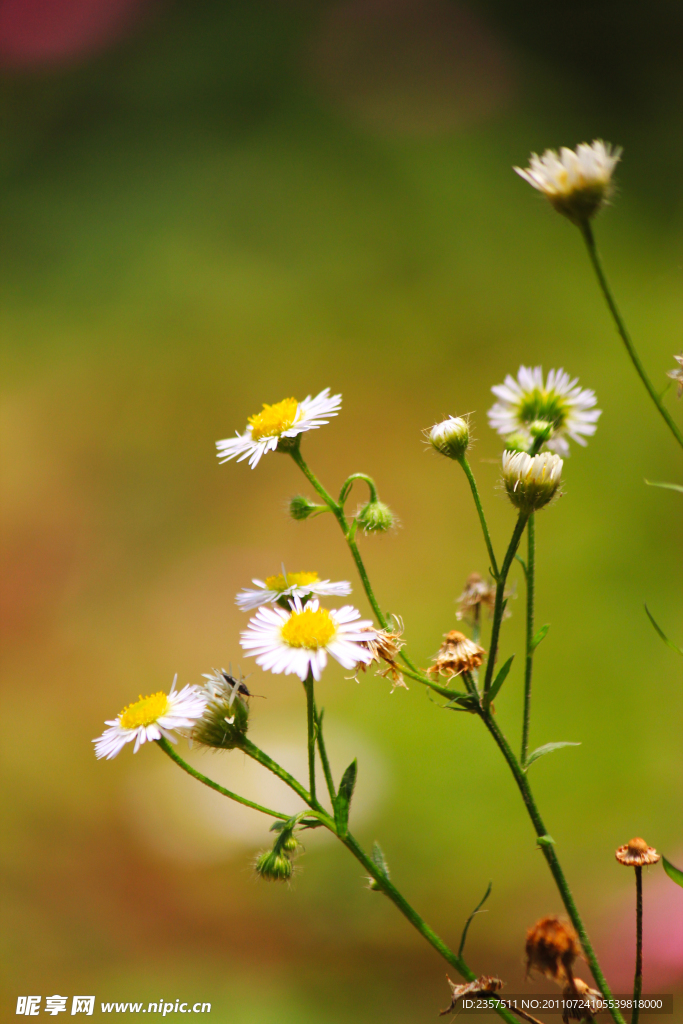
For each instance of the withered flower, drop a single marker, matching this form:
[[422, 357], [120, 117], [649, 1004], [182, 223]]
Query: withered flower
[[552, 946], [636, 853], [384, 646], [457, 654], [484, 986], [582, 1001], [477, 595]]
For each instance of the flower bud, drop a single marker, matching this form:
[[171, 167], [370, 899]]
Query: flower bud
[[451, 438], [226, 715], [531, 481], [375, 517], [273, 866], [541, 429], [301, 507]]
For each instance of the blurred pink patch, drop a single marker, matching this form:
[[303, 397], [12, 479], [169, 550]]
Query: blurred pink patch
[[39, 32]]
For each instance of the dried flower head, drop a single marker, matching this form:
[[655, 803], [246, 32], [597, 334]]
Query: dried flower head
[[677, 375], [552, 946], [457, 654], [384, 646], [636, 853], [478, 594], [581, 1001], [578, 182], [482, 987]]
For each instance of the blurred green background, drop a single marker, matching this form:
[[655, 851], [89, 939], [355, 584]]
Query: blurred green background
[[206, 206]]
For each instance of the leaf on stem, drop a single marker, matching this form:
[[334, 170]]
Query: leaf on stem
[[466, 702], [545, 840], [661, 633], [499, 680], [675, 874], [668, 487], [474, 913], [541, 635], [341, 804], [380, 862], [547, 748]]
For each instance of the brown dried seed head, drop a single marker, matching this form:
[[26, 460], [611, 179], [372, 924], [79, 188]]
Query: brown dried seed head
[[636, 853], [580, 1001], [484, 986], [385, 647], [552, 947], [457, 654]]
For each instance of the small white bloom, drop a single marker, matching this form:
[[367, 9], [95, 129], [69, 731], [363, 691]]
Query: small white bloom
[[531, 481], [288, 585], [451, 437], [285, 419], [560, 401], [677, 375], [576, 181], [299, 640], [150, 718]]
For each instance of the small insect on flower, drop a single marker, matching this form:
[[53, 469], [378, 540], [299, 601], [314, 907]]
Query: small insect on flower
[[531, 482], [299, 640], [555, 409], [479, 989], [287, 585], [552, 946], [677, 375], [457, 654], [385, 646], [226, 716], [150, 718], [578, 182], [636, 853], [277, 425]]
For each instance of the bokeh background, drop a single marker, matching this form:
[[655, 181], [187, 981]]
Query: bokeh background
[[207, 205]]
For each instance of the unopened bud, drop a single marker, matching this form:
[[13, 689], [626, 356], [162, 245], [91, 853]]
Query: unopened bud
[[274, 866], [375, 517], [531, 481], [451, 438], [541, 429], [301, 507], [226, 715]]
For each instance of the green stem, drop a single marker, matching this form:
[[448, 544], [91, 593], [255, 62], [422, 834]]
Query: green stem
[[638, 978], [528, 668], [548, 851], [499, 606], [589, 238], [259, 755], [348, 484], [327, 771], [311, 728], [480, 510], [175, 756]]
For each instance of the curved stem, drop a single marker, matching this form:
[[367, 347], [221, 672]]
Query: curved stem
[[638, 978], [528, 668], [480, 510], [259, 755], [589, 238], [175, 756], [311, 729], [348, 484], [499, 606], [547, 847]]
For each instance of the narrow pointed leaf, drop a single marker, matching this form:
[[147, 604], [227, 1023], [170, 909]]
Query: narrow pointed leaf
[[541, 635], [675, 874], [341, 804], [499, 680], [547, 748], [474, 913], [668, 487], [661, 633], [467, 701]]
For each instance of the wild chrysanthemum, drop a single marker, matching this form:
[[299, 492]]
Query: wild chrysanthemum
[[677, 375], [528, 404], [450, 437], [299, 640], [576, 181], [150, 718], [457, 654], [287, 585], [531, 481], [277, 423]]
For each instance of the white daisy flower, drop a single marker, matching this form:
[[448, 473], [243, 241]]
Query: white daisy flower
[[150, 718], [299, 640], [531, 481], [285, 419], [287, 585], [527, 404], [576, 181]]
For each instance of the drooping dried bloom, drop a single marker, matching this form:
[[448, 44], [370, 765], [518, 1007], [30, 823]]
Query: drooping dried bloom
[[482, 987], [552, 946], [578, 182], [478, 594], [531, 481], [457, 654], [384, 646], [636, 853], [581, 1001], [677, 375]]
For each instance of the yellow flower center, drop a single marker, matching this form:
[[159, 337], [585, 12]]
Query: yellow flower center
[[309, 629], [273, 420], [294, 579], [144, 711]]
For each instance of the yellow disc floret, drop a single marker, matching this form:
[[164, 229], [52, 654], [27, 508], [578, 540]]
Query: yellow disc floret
[[309, 629], [145, 711], [273, 420], [294, 579]]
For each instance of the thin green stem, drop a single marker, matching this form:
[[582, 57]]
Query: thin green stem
[[327, 771], [480, 511], [529, 665], [499, 606], [638, 977], [175, 756], [547, 847], [259, 755], [311, 728], [589, 238], [348, 484]]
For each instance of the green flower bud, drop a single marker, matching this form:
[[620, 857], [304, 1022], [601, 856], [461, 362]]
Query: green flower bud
[[517, 443], [451, 438], [375, 517], [226, 715], [531, 482], [301, 507], [541, 429], [274, 866]]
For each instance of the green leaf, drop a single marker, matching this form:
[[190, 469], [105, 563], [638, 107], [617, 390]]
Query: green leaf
[[499, 680], [541, 635], [380, 862], [675, 874], [662, 634], [467, 702], [668, 487], [547, 748], [341, 804], [474, 913], [545, 840]]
